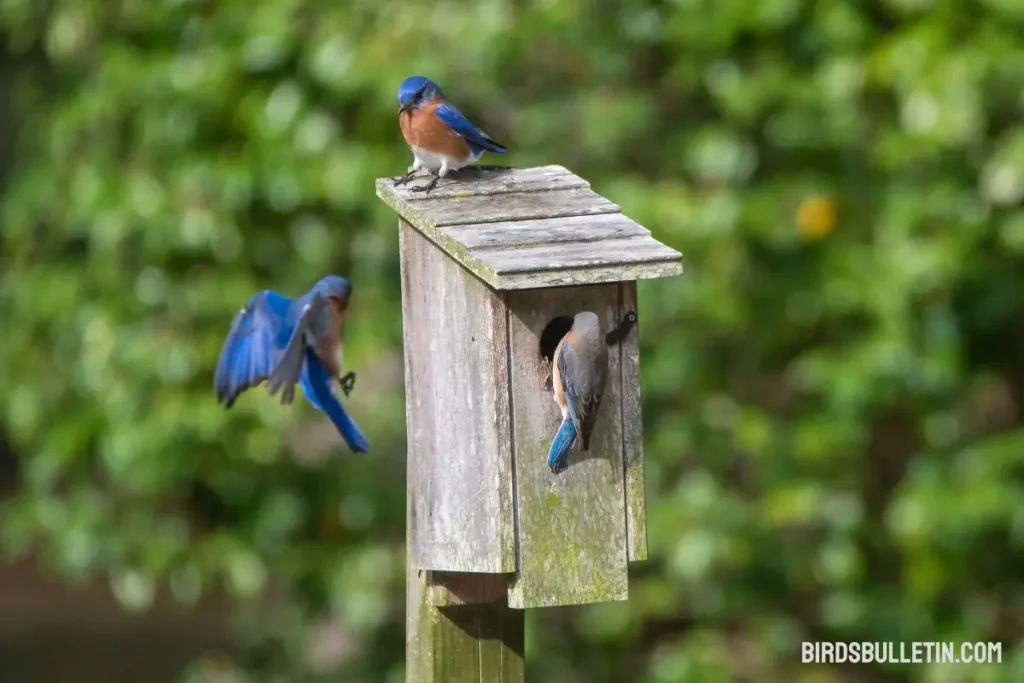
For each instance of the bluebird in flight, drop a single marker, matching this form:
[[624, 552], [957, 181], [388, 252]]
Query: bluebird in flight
[[578, 374], [441, 138], [284, 341]]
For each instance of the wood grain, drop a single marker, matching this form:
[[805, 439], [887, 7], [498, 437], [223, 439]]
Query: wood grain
[[632, 431], [457, 413], [535, 279], [571, 526], [432, 213], [639, 249], [476, 181], [509, 234]]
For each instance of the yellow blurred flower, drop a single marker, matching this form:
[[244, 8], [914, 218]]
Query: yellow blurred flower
[[816, 216]]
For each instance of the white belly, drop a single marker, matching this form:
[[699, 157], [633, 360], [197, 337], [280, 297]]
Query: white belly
[[433, 161]]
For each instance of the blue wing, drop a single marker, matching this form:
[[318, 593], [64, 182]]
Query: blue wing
[[561, 446], [582, 408], [316, 385], [477, 139], [252, 346]]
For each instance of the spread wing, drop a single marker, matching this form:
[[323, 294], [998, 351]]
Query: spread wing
[[462, 126], [251, 349]]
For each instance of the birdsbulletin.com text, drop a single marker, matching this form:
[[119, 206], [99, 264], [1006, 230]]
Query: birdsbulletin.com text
[[901, 653]]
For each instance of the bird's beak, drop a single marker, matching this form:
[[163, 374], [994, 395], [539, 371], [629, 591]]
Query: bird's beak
[[405, 107]]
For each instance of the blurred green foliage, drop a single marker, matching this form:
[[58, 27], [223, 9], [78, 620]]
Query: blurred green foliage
[[832, 393]]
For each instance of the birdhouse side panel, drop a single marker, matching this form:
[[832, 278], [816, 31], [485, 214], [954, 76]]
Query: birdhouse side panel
[[458, 417], [572, 525]]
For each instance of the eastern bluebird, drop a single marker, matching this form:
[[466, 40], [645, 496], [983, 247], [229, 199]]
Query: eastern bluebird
[[578, 374], [284, 341], [440, 137]]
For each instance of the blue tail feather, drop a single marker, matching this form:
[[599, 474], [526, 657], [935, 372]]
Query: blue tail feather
[[561, 445], [316, 385]]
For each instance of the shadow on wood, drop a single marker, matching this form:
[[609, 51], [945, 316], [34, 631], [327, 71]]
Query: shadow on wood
[[462, 643]]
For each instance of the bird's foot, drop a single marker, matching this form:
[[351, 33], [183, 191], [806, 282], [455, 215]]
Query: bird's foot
[[426, 188], [403, 179], [546, 365], [347, 382]]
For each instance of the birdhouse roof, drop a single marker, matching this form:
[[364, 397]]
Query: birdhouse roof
[[524, 228]]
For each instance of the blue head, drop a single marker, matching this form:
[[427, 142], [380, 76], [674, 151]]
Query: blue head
[[335, 289], [416, 91]]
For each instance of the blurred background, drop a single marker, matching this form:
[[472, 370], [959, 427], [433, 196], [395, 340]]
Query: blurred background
[[832, 392]]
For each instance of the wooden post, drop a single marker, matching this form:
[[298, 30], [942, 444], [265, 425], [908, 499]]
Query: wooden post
[[490, 259]]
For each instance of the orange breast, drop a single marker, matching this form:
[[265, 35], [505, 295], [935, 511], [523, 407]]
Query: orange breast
[[556, 377], [329, 346], [422, 128], [405, 123]]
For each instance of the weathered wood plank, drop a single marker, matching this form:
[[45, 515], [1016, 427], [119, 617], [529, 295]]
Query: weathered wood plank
[[428, 214], [643, 249], [584, 276], [572, 526], [632, 432], [477, 181], [551, 270], [457, 407], [478, 643], [515, 234], [502, 640], [546, 277]]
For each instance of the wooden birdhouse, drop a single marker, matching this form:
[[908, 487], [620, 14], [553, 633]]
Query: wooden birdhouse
[[495, 262]]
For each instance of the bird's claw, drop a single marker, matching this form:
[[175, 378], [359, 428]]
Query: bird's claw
[[347, 382], [402, 180], [546, 365], [426, 188]]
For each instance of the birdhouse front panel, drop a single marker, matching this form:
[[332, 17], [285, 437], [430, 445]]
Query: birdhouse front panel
[[571, 531]]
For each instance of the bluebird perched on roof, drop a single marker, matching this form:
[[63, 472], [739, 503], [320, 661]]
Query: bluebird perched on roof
[[579, 371], [441, 138], [284, 341]]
